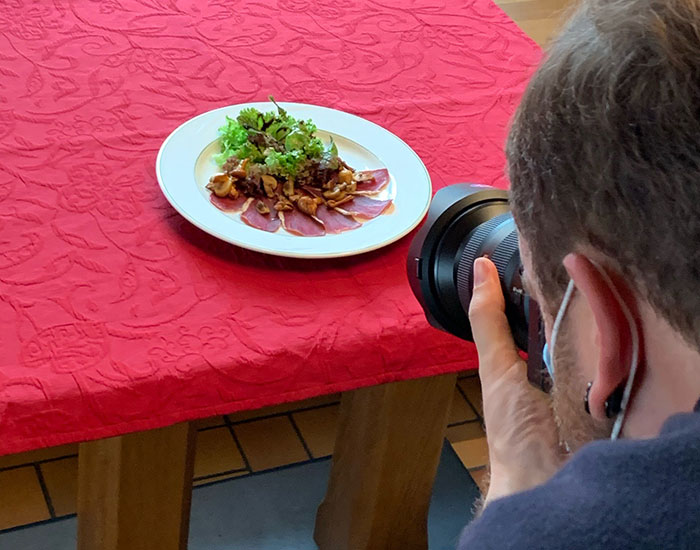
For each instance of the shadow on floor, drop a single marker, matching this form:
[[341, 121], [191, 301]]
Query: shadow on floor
[[275, 510]]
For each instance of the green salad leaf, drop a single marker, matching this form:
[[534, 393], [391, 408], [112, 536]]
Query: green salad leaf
[[284, 164], [233, 138], [330, 156], [276, 141]]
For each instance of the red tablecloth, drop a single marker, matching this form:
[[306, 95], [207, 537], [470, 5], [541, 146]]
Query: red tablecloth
[[117, 315]]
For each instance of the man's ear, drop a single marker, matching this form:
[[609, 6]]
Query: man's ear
[[613, 330]]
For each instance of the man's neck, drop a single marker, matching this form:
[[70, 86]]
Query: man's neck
[[668, 380]]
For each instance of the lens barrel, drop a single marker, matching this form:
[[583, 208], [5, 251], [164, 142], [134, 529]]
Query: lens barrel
[[465, 222]]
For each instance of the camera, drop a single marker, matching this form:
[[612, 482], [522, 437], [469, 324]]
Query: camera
[[466, 221]]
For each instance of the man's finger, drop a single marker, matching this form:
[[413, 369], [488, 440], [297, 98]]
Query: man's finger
[[490, 329]]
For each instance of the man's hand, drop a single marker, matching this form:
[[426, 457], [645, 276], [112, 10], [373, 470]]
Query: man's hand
[[520, 428]]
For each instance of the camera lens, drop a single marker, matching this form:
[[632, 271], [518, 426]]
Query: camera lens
[[465, 222]]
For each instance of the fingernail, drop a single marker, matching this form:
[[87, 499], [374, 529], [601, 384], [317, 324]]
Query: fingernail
[[480, 271]]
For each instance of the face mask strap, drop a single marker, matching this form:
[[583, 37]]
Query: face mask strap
[[558, 320], [620, 420]]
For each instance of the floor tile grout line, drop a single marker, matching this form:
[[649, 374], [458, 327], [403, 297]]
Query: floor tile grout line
[[300, 436], [24, 465], [463, 422], [36, 523], [44, 490], [217, 474], [246, 462], [56, 458], [463, 393], [262, 472], [209, 428], [279, 414], [283, 467]]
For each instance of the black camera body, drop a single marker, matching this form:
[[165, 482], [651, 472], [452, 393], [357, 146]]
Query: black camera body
[[467, 221]]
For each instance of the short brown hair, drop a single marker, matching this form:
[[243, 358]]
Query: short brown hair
[[604, 152]]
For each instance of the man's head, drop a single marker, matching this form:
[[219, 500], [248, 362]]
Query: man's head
[[604, 161]]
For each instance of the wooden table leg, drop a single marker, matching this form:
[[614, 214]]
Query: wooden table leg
[[134, 491], [384, 463]]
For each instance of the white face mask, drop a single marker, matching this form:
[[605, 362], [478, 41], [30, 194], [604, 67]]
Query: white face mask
[[549, 363]]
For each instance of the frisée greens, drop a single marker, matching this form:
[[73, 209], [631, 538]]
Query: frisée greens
[[276, 142]]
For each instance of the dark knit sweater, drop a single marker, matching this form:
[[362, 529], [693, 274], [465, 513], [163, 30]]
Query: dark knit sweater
[[639, 494]]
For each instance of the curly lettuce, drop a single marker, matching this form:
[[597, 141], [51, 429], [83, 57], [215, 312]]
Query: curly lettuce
[[280, 144]]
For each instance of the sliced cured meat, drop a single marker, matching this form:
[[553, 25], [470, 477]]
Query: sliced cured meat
[[375, 181], [267, 222], [334, 221], [298, 223], [364, 207], [228, 204]]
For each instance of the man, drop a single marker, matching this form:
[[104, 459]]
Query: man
[[604, 161]]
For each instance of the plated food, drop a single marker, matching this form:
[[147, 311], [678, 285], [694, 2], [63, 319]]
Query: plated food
[[280, 176], [188, 158]]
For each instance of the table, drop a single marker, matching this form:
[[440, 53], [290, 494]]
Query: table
[[120, 322]]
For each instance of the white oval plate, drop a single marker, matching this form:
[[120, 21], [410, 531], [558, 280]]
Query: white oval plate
[[185, 163]]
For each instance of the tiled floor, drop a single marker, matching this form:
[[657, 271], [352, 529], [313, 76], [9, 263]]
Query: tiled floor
[[41, 485]]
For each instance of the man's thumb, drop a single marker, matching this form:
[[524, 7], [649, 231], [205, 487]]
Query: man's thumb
[[489, 323], [487, 294]]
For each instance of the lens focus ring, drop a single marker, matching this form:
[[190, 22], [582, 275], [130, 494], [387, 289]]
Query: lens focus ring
[[504, 252], [472, 250]]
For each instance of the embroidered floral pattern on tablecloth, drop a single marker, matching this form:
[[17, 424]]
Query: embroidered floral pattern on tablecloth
[[115, 313]]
